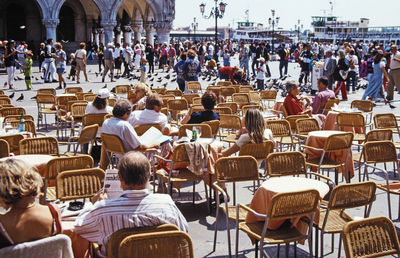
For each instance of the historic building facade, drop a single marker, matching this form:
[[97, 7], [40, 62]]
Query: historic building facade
[[86, 20]]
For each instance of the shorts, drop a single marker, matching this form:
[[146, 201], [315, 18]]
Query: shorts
[[80, 65], [60, 70]]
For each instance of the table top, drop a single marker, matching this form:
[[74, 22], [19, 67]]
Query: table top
[[287, 184], [34, 159], [324, 133]]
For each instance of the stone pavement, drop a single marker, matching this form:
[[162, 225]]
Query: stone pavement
[[201, 225]]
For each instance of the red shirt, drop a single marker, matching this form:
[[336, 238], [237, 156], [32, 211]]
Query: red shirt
[[293, 105], [227, 70]]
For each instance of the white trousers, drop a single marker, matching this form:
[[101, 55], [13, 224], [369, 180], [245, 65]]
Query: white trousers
[[11, 74]]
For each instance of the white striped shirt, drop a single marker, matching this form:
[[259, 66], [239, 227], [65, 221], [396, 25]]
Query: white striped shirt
[[135, 208]]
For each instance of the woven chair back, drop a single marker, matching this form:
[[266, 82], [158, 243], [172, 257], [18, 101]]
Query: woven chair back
[[78, 110], [180, 155], [77, 184], [7, 111], [88, 134], [379, 152], [193, 86], [174, 243], [293, 204], [13, 142], [43, 145], [352, 195], [122, 89], [89, 97], [223, 110], [244, 89], [236, 169], [227, 91], [268, 94], [196, 101], [5, 101], [72, 102], [232, 105], [337, 142], [214, 124], [330, 103], [79, 95], [236, 87], [62, 101], [306, 125], [350, 120], [166, 98], [141, 129], [232, 122], [206, 131], [46, 99], [29, 125], [189, 97], [385, 121], [51, 91], [111, 102], [161, 91], [4, 149], [379, 135], [11, 118], [292, 120], [224, 83], [371, 237], [132, 96], [196, 108], [60, 164], [254, 97], [6, 105], [93, 119], [241, 99], [214, 89], [73, 90], [363, 105], [176, 93], [247, 107], [259, 151], [118, 236], [112, 143], [279, 128], [286, 164], [177, 104]]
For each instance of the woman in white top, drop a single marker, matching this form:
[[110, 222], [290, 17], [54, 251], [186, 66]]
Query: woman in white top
[[99, 104], [80, 57], [254, 132]]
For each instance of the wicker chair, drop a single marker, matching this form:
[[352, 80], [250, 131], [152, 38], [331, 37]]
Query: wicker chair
[[141, 129], [365, 106], [292, 121], [247, 107], [45, 104], [372, 237], [57, 165], [42, 145], [232, 170], [354, 120], [386, 121], [166, 98], [382, 152], [170, 243], [268, 96], [259, 151], [12, 118], [5, 105], [46, 91], [13, 142], [1, 92], [306, 125], [214, 124], [214, 89], [161, 91], [224, 83], [232, 105], [189, 97], [206, 131], [194, 108], [86, 136], [254, 97], [73, 90], [112, 145], [93, 119], [180, 161], [281, 207], [329, 104], [7, 111], [4, 149], [335, 142], [281, 132], [196, 101], [247, 88], [5, 101], [333, 217], [89, 97], [79, 184], [227, 92], [193, 86], [111, 102], [77, 113], [29, 126], [231, 123], [122, 90], [241, 99], [223, 110], [178, 107], [176, 93], [118, 236]]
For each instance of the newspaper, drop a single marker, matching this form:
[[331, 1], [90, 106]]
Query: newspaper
[[112, 185], [153, 136]]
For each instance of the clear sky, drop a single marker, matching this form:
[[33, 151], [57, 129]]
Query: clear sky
[[380, 13]]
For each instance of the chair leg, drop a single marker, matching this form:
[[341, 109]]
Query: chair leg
[[295, 249], [287, 246], [216, 229], [340, 244], [389, 208], [316, 242], [322, 244], [237, 239], [194, 190], [278, 251], [256, 249], [228, 231]]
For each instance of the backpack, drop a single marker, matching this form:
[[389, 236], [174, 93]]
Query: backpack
[[351, 63], [370, 65]]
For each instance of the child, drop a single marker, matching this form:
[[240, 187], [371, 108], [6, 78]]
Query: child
[[227, 57], [142, 70], [72, 72], [261, 73], [28, 70]]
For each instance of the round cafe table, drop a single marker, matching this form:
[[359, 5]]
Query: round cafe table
[[330, 123], [39, 162], [317, 139], [275, 185]]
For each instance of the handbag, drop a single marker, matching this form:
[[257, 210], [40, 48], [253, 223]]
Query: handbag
[[344, 74]]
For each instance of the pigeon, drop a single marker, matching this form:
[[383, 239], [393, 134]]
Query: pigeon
[[36, 78], [90, 91], [5, 84], [112, 90], [34, 97], [152, 79], [41, 77], [149, 76], [159, 80], [105, 86], [97, 74], [151, 85], [173, 80], [12, 95], [155, 74], [21, 98], [90, 71], [165, 85], [167, 77]]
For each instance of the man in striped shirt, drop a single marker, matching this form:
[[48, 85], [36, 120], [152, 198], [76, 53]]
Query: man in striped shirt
[[136, 207]]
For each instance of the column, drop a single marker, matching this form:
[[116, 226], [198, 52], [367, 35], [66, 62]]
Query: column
[[138, 33], [96, 37], [51, 26], [149, 35], [108, 30], [100, 33], [127, 34], [117, 34], [163, 35]]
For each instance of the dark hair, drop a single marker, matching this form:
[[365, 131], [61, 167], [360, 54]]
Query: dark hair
[[209, 100], [153, 100], [99, 103], [183, 56], [121, 108], [134, 168], [378, 57], [191, 54], [323, 80], [49, 41]]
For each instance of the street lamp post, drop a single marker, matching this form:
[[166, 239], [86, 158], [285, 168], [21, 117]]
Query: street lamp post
[[272, 21], [217, 13], [194, 26], [298, 27]]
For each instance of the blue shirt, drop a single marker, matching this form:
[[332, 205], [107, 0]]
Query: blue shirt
[[191, 69], [203, 116], [179, 71]]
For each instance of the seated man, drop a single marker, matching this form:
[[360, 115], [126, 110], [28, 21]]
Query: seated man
[[151, 114], [208, 100], [136, 207], [319, 101], [119, 126]]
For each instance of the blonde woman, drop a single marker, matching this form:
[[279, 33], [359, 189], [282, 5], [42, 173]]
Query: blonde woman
[[141, 91], [25, 220], [254, 131]]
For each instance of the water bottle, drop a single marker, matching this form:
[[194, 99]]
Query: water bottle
[[194, 133], [21, 124]]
